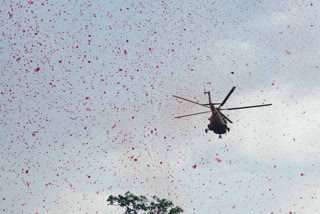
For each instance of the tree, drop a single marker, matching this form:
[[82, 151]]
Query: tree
[[134, 203]]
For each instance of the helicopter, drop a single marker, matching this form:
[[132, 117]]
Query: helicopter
[[218, 121]]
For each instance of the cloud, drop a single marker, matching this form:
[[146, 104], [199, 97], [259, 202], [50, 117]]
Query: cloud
[[82, 202]]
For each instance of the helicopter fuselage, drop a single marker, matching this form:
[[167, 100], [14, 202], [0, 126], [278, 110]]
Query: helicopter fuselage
[[217, 123]]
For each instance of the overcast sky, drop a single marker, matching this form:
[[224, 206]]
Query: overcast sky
[[86, 108]]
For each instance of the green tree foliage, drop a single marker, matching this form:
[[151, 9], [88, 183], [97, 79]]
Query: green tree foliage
[[134, 204]]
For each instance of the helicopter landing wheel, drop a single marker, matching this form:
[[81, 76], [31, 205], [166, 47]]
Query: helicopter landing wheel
[[228, 129], [220, 136], [206, 130]]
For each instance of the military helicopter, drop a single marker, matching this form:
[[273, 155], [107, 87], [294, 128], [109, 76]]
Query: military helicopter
[[218, 121]]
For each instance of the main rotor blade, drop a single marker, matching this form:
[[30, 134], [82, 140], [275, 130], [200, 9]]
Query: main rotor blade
[[227, 97], [190, 101], [246, 107], [193, 114], [225, 117], [207, 104]]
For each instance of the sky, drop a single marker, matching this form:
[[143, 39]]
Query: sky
[[86, 106]]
